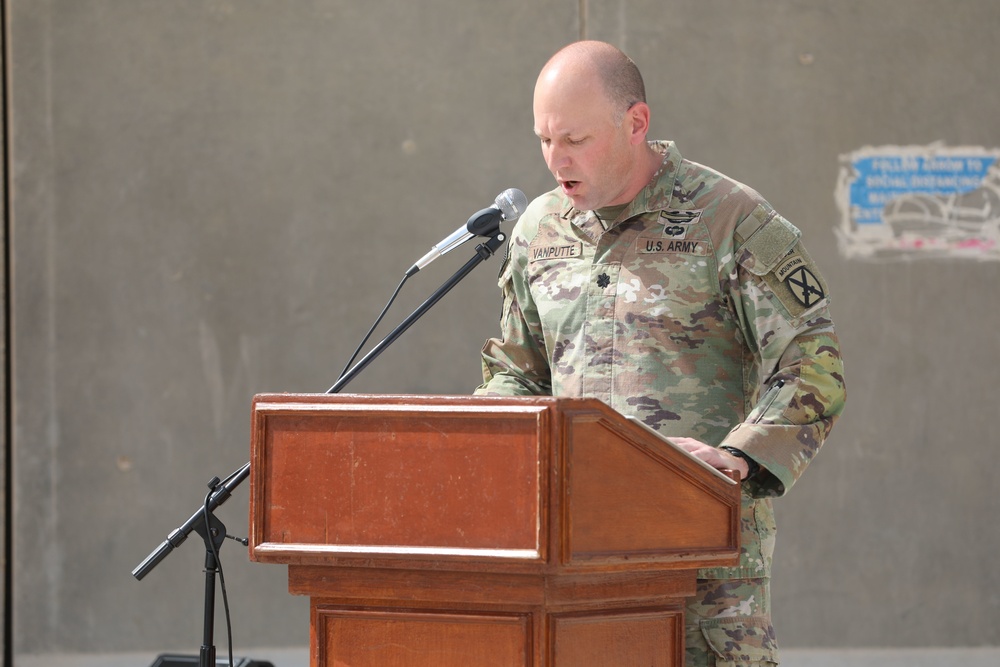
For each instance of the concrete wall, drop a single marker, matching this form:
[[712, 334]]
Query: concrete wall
[[214, 198]]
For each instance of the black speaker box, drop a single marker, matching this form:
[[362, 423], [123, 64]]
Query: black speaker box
[[170, 660]]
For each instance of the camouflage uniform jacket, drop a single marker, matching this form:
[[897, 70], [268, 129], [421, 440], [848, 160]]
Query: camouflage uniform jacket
[[697, 311]]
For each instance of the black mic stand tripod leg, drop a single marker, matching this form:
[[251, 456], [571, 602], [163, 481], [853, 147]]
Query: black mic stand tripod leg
[[214, 534]]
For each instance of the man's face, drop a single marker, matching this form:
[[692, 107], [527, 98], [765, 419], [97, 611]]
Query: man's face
[[591, 157]]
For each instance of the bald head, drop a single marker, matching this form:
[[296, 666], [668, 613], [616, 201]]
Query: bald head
[[590, 63], [592, 120]]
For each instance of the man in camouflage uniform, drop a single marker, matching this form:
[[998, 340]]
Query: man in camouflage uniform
[[676, 295]]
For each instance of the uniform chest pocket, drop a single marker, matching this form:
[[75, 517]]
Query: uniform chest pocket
[[669, 277]]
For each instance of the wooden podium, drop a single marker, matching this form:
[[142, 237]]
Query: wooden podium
[[433, 531]]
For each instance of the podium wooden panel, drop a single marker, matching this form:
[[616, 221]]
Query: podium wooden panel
[[434, 531]]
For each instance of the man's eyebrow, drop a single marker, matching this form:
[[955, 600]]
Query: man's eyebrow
[[541, 135]]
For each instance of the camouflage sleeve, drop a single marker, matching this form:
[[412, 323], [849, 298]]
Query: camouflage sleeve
[[515, 364], [782, 305]]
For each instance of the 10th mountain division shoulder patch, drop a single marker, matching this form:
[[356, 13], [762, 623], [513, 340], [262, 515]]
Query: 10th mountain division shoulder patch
[[805, 287], [796, 284]]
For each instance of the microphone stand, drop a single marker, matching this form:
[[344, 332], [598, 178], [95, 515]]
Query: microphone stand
[[215, 533]]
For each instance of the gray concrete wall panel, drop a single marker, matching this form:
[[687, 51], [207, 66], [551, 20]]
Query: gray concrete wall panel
[[213, 199]]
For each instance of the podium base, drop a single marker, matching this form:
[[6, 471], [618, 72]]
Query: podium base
[[172, 660]]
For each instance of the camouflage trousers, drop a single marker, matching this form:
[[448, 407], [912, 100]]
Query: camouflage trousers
[[728, 622]]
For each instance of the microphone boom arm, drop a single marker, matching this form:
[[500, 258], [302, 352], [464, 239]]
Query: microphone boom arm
[[178, 535], [484, 251]]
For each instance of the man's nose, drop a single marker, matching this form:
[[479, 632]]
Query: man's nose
[[557, 158]]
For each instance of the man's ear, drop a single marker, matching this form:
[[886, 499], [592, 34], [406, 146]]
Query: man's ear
[[638, 117]]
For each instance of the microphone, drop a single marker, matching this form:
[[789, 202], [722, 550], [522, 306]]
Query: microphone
[[509, 205]]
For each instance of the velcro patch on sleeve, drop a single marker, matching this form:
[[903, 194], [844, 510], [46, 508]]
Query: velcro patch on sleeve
[[768, 244]]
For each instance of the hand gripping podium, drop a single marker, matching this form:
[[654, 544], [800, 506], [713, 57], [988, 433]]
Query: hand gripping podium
[[433, 531]]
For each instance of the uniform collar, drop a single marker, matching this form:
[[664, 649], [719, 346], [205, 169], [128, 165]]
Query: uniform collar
[[655, 196]]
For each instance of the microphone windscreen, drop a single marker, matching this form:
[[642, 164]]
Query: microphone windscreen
[[511, 203]]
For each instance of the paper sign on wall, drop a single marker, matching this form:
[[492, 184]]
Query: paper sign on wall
[[906, 202]]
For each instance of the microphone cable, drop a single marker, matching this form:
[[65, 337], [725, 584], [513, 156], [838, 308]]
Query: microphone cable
[[378, 320], [508, 205]]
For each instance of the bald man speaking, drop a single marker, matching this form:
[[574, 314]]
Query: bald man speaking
[[680, 297]]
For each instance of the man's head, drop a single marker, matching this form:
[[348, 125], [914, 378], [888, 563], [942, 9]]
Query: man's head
[[592, 119]]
